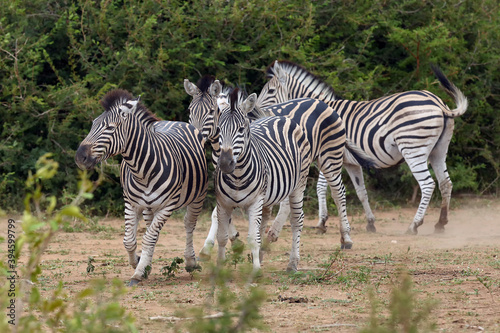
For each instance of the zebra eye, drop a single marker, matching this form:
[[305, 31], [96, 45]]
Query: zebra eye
[[241, 129], [271, 90], [111, 128]]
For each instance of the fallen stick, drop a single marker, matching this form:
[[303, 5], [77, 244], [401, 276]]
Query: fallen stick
[[161, 318]]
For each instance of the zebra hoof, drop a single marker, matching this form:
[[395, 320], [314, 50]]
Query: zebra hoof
[[371, 228], [346, 246], [133, 282], [320, 230], [411, 231], [235, 237], [438, 229], [205, 252], [191, 269]]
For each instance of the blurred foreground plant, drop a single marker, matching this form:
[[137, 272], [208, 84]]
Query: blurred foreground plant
[[406, 313], [57, 313], [236, 299]]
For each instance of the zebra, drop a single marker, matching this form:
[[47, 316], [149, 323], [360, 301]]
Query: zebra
[[203, 114], [259, 165], [413, 127], [328, 147], [163, 169]]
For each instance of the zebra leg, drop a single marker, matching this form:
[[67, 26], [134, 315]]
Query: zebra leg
[[254, 223], [210, 241], [148, 244], [356, 174], [130, 237], [223, 218], [421, 173], [192, 213], [148, 215], [297, 223], [321, 188], [266, 214], [338, 194], [279, 221], [437, 159]]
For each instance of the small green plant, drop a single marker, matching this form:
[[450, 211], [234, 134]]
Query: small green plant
[[90, 266], [406, 313], [173, 268], [147, 271]]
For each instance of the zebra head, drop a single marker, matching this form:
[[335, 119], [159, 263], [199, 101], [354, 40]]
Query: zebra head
[[203, 108], [234, 127], [275, 91], [107, 137]]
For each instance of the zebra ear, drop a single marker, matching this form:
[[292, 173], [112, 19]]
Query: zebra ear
[[129, 107], [190, 88], [222, 102], [215, 88], [249, 103]]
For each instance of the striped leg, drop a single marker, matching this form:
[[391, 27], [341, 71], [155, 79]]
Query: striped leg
[[279, 221], [223, 220], [321, 188], [130, 237], [210, 241], [192, 213], [148, 243], [437, 159], [418, 167], [338, 194], [266, 214], [254, 223], [148, 215], [297, 222], [356, 174]]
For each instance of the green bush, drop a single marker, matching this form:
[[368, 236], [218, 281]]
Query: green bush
[[58, 58]]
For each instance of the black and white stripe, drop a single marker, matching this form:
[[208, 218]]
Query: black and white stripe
[[163, 169], [260, 164], [413, 127]]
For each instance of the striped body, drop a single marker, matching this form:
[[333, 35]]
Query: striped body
[[163, 169], [326, 134], [259, 165], [413, 127]]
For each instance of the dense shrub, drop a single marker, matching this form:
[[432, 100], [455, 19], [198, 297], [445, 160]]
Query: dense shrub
[[58, 58]]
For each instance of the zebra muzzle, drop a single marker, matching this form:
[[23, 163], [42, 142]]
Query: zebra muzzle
[[226, 161], [83, 158]]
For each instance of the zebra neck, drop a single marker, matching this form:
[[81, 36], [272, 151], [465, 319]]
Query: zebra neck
[[247, 161], [140, 151]]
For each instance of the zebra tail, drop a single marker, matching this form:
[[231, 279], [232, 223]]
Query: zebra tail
[[454, 93], [355, 155]]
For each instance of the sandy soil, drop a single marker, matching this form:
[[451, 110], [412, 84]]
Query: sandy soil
[[444, 267]]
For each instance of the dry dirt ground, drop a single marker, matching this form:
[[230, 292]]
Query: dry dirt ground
[[447, 268]]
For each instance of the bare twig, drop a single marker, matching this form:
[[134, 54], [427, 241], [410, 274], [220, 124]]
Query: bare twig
[[212, 316]]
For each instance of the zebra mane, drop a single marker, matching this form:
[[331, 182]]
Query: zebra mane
[[204, 83], [117, 97], [236, 97], [114, 98], [316, 87]]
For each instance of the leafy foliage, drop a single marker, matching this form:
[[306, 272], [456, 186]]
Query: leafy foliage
[[94, 309], [58, 58]]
